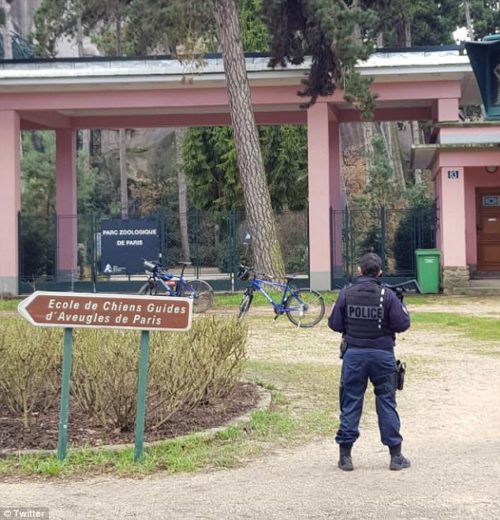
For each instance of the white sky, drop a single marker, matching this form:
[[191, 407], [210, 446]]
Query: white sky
[[460, 35]]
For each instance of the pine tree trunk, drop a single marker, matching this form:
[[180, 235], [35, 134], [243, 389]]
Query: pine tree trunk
[[182, 194], [7, 28], [81, 52], [468, 20], [415, 131], [122, 131], [415, 128], [390, 133], [123, 172], [79, 35], [407, 33], [265, 246], [368, 142]]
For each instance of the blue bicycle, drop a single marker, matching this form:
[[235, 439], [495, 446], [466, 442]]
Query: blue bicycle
[[161, 281], [303, 307]]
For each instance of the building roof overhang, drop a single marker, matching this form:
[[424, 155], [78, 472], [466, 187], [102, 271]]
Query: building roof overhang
[[161, 82], [383, 66], [423, 156]]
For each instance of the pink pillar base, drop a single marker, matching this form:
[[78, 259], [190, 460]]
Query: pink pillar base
[[66, 199], [10, 202], [452, 242], [324, 192]]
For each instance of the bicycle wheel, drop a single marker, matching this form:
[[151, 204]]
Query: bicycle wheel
[[149, 288], [305, 307], [201, 292], [245, 304]]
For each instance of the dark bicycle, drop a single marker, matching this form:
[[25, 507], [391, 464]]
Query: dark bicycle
[[162, 282], [303, 307]]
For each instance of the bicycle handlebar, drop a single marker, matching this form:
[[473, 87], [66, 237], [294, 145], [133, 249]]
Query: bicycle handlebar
[[245, 270], [150, 266], [402, 286], [156, 270]]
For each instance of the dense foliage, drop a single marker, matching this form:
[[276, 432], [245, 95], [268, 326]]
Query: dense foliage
[[210, 165], [335, 34]]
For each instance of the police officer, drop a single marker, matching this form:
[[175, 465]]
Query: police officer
[[368, 315]]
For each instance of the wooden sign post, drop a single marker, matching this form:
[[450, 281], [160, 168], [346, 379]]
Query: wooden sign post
[[111, 311]]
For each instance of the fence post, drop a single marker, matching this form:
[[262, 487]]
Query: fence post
[[56, 246], [64, 399], [92, 247], [20, 252], [350, 244], [197, 241], [142, 383], [162, 225], [231, 233], [383, 254], [333, 247]]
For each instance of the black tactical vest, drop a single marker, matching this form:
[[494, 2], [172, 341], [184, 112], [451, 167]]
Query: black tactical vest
[[365, 314]]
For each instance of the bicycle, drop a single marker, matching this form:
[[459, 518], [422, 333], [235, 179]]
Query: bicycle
[[161, 281], [401, 288], [303, 307]]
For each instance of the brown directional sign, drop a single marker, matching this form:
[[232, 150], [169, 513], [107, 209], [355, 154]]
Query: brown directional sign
[[117, 311]]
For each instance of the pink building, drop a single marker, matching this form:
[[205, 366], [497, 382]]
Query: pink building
[[69, 94]]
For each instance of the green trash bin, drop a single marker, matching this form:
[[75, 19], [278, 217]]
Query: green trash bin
[[428, 269]]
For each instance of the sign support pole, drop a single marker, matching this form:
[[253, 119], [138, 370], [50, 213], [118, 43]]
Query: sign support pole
[[65, 383], [142, 382]]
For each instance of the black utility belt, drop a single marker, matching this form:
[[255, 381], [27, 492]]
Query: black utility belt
[[350, 345], [344, 346]]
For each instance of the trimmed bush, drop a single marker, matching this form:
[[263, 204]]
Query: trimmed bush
[[185, 369], [30, 360]]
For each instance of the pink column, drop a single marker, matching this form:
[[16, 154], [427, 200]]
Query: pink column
[[452, 217], [324, 190], [336, 199], [66, 203], [10, 202], [447, 109]]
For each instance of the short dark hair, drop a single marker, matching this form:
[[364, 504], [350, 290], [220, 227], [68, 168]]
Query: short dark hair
[[370, 264]]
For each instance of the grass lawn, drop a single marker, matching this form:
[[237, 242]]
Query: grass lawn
[[9, 305]]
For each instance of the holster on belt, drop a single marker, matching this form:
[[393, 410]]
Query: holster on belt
[[343, 347], [400, 374]]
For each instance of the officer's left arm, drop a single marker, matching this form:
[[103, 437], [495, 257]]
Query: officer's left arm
[[398, 316], [336, 318]]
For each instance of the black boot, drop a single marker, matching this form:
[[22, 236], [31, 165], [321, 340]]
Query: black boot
[[345, 460], [398, 461]]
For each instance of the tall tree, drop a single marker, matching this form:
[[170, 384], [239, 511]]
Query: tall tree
[[481, 17], [209, 160], [6, 23], [182, 194], [335, 34], [259, 211], [403, 23], [381, 191], [193, 34]]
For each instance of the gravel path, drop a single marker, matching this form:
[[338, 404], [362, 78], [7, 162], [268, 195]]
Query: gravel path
[[451, 423]]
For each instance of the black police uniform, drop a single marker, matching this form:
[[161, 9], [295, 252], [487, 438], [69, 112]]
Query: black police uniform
[[368, 315]]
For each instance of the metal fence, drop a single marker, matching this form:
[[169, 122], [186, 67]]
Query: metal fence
[[214, 246], [394, 234]]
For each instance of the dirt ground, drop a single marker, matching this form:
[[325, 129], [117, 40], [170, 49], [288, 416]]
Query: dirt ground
[[450, 421], [43, 430]]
